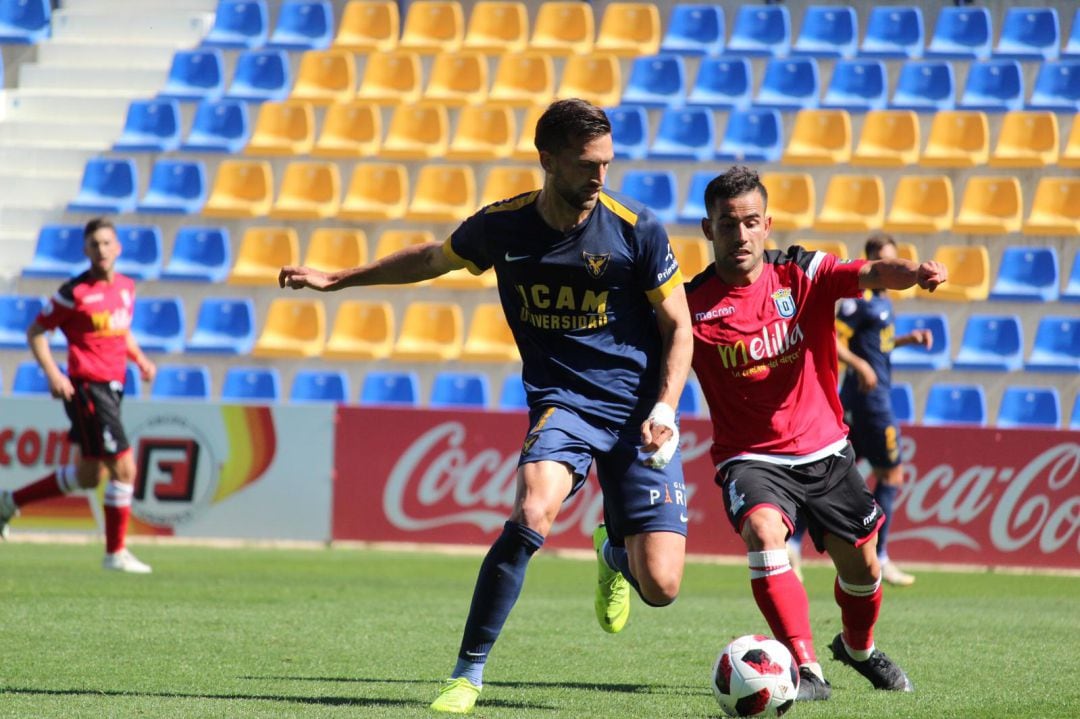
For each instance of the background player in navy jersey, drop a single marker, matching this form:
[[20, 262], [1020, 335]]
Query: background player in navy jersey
[[594, 297], [765, 355], [93, 311]]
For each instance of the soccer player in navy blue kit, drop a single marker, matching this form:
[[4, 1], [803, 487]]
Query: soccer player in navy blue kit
[[595, 299]]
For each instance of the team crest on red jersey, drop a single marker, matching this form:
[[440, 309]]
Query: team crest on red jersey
[[785, 304], [596, 264]]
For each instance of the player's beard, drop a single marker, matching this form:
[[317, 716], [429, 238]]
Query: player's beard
[[582, 199]]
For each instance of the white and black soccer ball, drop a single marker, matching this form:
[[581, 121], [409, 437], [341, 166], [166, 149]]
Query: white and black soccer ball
[[755, 676]]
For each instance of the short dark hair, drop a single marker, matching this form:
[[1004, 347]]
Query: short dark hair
[[96, 224], [876, 241], [737, 181], [568, 123]]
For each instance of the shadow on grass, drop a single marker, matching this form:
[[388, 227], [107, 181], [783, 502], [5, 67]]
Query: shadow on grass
[[679, 689]]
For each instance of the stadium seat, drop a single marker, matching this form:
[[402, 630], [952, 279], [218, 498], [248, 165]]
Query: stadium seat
[[902, 399], [693, 253], [893, 31], [512, 394], [458, 78], [497, 27], [958, 139], [368, 26], [58, 252], [17, 312], [993, 86], [656, 189], [1071, 293], [484, 133], [293, 328], [1057, 87], [690, 404], [459, 390], [506, 181], [761, 30], [140, 254], [285, 128], [362, 331], [29, 380], [916, 357], [595, 78], [1029, 33], [377, 191], [991, 205], [150, 126], [961, 33], [303, 25], [754, 135], [177, 382], [1070, 155], [991, 342], [177, 187], [132, 382], [791, 199], [925, 86], [889, 138], [629, 29], [828, 31], [1027, 274], [489, 338], [251, 384], [418, 131], [1057, 345], [1072, 45], [693, 207], [242, 189], [1029, 407], [390, 388], [857, 86], [433, 26], [687, 133], [336, 248], [238, 25], [523, 79], [629, 131], [263, 252], [955, 404], [819, 137], [260, 76], [1027, 139], [722, 82], [525, 148], [391, 77], [224, 325], [391, 241], [694, 29], [25, 22], [157, 324], [969, 273], [838, 248], [350, 130], [325, 76], [656, 81], [309, 191], [430, 332], [108, 187], [220, 126], [564, 28], [1056, 208], [443, 193], [789, 84], [853, 203], [310, 385], [921, 204], [200, 254], [195, 75]]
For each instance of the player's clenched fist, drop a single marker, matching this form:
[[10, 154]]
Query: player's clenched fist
[[300, 277], [931, 274]]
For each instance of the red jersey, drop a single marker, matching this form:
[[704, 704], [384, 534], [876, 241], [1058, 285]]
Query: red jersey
[[95, 316], [765, 356]]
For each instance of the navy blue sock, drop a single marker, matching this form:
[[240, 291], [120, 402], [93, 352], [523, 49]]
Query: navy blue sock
[[885, 496]]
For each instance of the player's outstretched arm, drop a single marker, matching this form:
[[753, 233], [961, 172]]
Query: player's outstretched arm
[[659, 434], [147, 369], [412, 264], [900, 274], [59, 384]]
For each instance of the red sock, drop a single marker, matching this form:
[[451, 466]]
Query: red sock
[[782, 600], [117, 512], [859, 608], [53, 485]]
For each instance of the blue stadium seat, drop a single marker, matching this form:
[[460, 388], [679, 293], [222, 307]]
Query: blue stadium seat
[[915, 357], [132, 382], [1027, 274], [1029, 33], [754, 135], [150, 126], [656, 81], [158, 324], [512, 395], [1071, 293], [687, 133], [1057, 345], [459, 389], [177, 187], [993, 86], [629, 131], [925, 86], [656, 189], [261, 76], [1074, 419], [220, 126], [303, 25], [902, 399], [1072, 45], [25, 22], [763, 30], [224, 326], [1057, 87], [991, 342], [108, 187], [893, 31], [181, 382], [690, 404], [238, 25], [30, 379], [17, 312], [251, 384], [695, 30], [311, 385], [392, 388], [961, 33], [201, 254], [828, 31], [693, 209], [789, 84], [58, 253], [140, 256], [857, 86], [195, 75], [1031, 407], [948, 404], [722, 82]]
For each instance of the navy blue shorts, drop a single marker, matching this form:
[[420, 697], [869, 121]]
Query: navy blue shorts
[[875, 436]]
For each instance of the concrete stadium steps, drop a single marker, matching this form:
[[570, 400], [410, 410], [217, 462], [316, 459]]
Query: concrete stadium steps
[[29, 160], [80, 106], [38, 132], [113, 6], [89, 53], [118, 81], [158, 25], [38, 190]]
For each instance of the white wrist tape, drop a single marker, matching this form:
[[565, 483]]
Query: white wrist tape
[[664, 416]]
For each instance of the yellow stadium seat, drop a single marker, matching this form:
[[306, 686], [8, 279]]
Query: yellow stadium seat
[[595, 78], [921, 204], [990, 205], [293, 328], [958, 138], [693, 254], [770, 244], [483, 133], [1056, 209], [377, 191], [309, 191], [819, 137], [336, 248], [361, 331], [889, 138], [791, 199], [489, 338], [832, 247], [506, 181], [283, 128], [465, 280], [417, 132], [497, 27], [969, 273], [458, 78], [242, 189], [391, 77], [391, 241], [444, 193], [629, 29], [1027, 139], [433, 26], [853, 203], [350, 129], [325, 76], [524, 80], [263, 252], [369, 26], [525, 149], [1070, 156], [430, 332], [563, 28], [906, 251]]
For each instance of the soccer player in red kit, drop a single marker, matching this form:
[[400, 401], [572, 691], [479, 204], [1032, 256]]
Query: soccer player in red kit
[[765, 354], [93, 310]]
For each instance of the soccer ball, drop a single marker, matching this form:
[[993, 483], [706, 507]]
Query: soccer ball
[[755, 676]]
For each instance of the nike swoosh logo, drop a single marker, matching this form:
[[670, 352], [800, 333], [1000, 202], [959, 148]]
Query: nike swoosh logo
[[515, 258]]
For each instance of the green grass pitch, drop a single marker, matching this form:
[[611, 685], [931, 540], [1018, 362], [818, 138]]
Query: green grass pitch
[[355, 633]]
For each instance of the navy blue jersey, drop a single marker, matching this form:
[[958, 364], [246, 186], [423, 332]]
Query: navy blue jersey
[[580, 302], [868, 324]]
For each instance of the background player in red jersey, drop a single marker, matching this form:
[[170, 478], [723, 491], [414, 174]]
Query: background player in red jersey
[[93, 311], [765, 354]]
